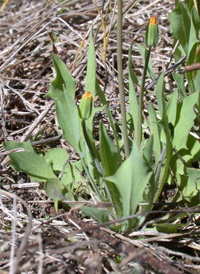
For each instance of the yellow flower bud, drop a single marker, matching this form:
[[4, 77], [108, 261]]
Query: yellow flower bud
[[85, 107], [151, 36]]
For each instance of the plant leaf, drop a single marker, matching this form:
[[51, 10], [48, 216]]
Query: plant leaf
[[55, 189], [110, 156], [57, 157], [14, 145], [72, 175], [69, 121], [185, 157], [143, 51], [179, 79], [91, 68], [167, 148], [148, 151], [29, 162], [101, 215], [63, 78], [196, 20], [132, 94], [108, 112], [184, 122], [131, 180], [171, 108], [193, 185], [193, 76], [168, 228], [180, 23], [155, 131]]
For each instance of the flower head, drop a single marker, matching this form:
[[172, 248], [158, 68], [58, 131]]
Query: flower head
[[85, 107], [151, 36]]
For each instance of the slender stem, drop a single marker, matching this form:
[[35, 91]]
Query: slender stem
[[139, 124], [95, 188], [159, 166], [87, 139], [120, 76], [91, 180], [168, 150], [197, 6], [97, 164]]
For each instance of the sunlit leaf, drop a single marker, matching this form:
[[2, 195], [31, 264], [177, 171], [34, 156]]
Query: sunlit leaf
[[131, 180], [29, 162]]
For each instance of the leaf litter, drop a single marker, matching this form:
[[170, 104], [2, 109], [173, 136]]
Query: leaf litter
[[33, 236]]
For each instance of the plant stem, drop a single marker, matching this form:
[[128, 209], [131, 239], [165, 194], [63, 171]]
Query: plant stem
[[167, 149], [139, 124], [120, 76], [97, 164], [87, 139]]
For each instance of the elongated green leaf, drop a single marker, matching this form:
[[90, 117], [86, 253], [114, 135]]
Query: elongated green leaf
[[171, 108], [135, 79], [193, 39], [143, 51], [29, 162], [180, 24], [193, 76], [167, 148], [69, 121], [180, 83], [86, 159], [91, 68], [196, 19], [62, 90], [190, 4], [148, 151], [185, 120], [92, 142], [115, 198], [110, 156], [168, 228], [63, 78], [197, 81], [163, 113], [155, 131], [131, 180], [160, 96], [108, 112], [132, 94], [91, 78]]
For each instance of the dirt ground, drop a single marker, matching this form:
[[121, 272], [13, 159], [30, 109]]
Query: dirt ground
[[34, 238]]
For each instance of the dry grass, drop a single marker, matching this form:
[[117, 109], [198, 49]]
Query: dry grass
[[33, 237]]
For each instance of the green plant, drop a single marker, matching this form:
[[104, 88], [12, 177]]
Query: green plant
[[112, 175]]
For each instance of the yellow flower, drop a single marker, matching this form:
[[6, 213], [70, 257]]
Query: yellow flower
[[152, 20]]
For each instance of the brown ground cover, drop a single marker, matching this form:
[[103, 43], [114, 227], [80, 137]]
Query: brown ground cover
[[34, 238]]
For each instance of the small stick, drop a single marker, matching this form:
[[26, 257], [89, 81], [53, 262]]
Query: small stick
[[37, 121], [167, 72], [189, 68]]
